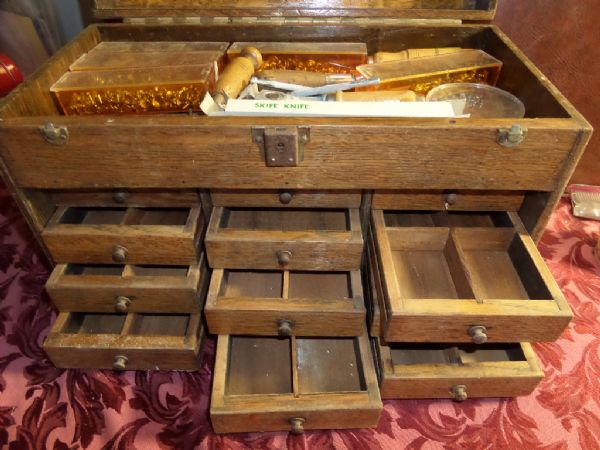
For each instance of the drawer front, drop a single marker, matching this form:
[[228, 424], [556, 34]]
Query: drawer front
[[271, 384], [129, 288], [459, 373], [173, 198], [324, 240], [84, 235], [450, 200], [266, 198], [343, 153], [126, 342], [483, 284], [285, 303]]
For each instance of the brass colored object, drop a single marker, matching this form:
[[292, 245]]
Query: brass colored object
[[120, 196], [119, 254], [122, 304], [285, 197], [285, 328], [297, 425], [55, 135], [284, 257], [236, 75], [459, 393], [120, 362], [479, 334], [412, 53], [282, 146], [512, 137]]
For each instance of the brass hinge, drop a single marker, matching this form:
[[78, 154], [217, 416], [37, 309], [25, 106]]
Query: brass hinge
[[278, 21]]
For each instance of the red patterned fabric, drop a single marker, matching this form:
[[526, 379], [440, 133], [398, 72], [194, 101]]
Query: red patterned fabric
[[42, 407]]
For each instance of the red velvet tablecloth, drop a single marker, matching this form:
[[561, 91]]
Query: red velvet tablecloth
[[42, 407]]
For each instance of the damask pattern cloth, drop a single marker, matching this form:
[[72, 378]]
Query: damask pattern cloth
[[42, 407]]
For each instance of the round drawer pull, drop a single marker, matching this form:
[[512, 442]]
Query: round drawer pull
[[122, 304], [285, 197], [120, 196], [119, 254], [120, 362], [459, 393], [451, 198], [479, 334], [284, 257], [285, 328], [297, 425]]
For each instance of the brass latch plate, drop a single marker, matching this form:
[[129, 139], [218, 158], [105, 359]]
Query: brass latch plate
[[282, 146]]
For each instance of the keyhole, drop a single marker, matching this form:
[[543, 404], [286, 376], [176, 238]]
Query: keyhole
[[280, 146]]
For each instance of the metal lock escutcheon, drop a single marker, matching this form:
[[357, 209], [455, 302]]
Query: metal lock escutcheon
[[282, 146]]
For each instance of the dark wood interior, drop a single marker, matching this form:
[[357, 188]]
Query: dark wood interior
[[159, 325], [91, 323], [415, 354], [284, 219], [446, 219], [105, 270], [159, 271], [322, 285], [93, 216]]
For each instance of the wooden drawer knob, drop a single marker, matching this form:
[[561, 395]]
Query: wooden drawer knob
[[119, 254], [285, 328], [479, 334], [451, 198], [120, 196], [459, 393], [285, 197], [284, 257], [297, 425], [120, 362], [122, 304]]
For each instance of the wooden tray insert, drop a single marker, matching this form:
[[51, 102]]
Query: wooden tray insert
[[284, 303]]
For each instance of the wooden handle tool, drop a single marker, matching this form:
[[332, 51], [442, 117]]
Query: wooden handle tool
[[236, 75], [376, 96], [413, 53], [303, 78]]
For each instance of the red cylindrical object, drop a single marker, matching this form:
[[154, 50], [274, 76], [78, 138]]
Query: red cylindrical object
[[10, 75]]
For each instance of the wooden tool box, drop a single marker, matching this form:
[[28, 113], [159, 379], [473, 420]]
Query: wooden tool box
[[448, 209]]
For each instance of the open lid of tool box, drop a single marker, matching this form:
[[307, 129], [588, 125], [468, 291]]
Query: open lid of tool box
[[467, 10]]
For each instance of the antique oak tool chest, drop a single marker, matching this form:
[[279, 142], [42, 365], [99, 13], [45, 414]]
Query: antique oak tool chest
[[387, 258]]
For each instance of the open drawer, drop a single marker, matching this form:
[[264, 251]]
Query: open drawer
[[482, 283], [124, 235], [294, 239], [126, 341], [457, 372], [285, 303], [270, 384], [127, 288], [290, 198]]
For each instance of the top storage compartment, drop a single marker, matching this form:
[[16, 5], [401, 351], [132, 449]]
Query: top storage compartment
[[455, 9]]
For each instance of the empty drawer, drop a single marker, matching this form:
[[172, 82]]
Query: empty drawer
[[285, 303], [126, 341], [458, 372], [270, 384], [249, 238], [129, 288], [124, 235], [483, 284]]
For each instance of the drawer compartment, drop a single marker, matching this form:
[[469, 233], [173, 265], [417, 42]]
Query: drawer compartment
[[174, 198], [285, 303], [266, 198], [128, 288], [484, 284], [126, 341], [89, 235], [457, 372], [291, 239], [271, 384], [450, 200]]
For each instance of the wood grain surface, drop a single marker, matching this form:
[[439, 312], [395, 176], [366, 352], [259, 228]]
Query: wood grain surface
[[561, 37]]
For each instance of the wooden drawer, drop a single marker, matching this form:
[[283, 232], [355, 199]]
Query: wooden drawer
[[374, 296], [298, 239], [458, 372], [124, 235], [270, 384], [126, 341], [450, 200], [174, 198], [265, 198], [482, 284], [285, 303], [129, 288]]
